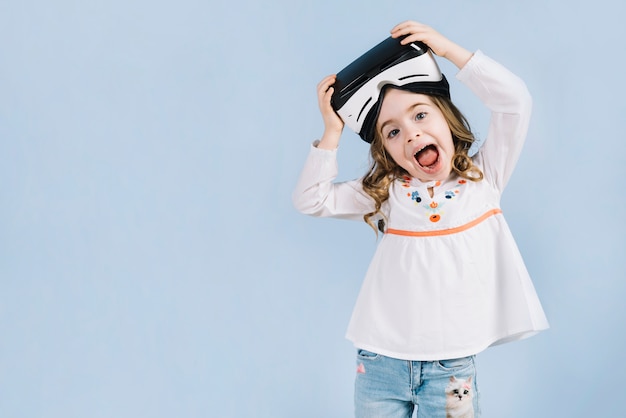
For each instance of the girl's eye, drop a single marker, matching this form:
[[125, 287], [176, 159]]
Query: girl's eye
[[420, 116], [392, 133]]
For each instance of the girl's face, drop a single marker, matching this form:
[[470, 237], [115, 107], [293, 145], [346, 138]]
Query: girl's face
[[416, 134]]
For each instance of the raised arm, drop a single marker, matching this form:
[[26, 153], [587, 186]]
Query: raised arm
[[510, 103], [502, 92], [316, 193]]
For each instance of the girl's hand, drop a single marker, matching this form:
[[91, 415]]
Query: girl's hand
[[333, 125], [438, 43]]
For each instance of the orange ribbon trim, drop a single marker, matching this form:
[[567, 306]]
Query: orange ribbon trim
[[449, 231]]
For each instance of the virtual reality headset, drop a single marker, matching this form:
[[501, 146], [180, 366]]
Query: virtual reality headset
[[358, 87]]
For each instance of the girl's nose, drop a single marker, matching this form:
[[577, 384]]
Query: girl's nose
[[415, 134]]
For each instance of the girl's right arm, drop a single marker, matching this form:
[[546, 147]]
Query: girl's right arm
[[316, 193]]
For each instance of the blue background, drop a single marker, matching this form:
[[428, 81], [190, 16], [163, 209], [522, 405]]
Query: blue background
[[152, 265]]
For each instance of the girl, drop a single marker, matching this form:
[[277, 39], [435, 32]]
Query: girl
[[447, 279]]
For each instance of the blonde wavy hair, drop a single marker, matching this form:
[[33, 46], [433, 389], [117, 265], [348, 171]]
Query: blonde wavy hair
[[384, 170]]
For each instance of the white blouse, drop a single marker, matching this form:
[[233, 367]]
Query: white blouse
[[447, 279]]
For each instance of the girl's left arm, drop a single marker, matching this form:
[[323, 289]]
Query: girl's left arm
[[501, 91], [510, 103]]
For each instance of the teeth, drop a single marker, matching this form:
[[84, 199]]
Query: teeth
[[420, 150]]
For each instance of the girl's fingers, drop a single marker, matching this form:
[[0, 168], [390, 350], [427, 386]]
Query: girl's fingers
[[326, 95], [406, 28], [325, 89], [326, 82], [403, 25], [414, 31]]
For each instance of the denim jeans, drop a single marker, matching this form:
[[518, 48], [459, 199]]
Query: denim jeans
[[386, 387]]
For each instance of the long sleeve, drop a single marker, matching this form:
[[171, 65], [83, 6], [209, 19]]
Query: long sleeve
[[510, 103], [316, 194]]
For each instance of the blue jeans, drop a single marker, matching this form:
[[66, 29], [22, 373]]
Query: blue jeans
[[386, 387]]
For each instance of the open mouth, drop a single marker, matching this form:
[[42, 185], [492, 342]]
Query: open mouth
[[428, 156]]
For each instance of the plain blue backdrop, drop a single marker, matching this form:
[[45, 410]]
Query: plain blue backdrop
[[151, 262]]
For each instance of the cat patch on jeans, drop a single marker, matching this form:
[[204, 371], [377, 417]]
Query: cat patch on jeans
[[459, 398]]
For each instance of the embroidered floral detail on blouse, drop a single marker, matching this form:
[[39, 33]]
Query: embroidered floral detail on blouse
[[415, 196], [405, 181], [433, 208]]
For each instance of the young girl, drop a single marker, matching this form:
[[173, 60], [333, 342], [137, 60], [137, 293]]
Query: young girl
[[447, 279]]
